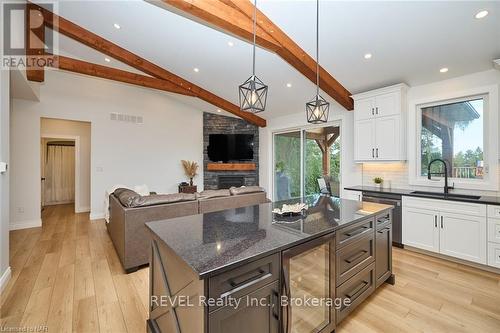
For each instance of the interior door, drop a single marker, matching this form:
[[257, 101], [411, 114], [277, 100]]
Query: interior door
[[420, 228], [387, 138], [365, 140], [463, 236]]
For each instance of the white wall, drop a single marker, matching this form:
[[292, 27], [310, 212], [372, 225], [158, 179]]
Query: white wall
[[397, 174], [56, 128], [350, 171], [121, 153], [4, 178]]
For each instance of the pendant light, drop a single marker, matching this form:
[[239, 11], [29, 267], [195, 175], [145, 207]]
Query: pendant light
[[318, 108], [253, 92]]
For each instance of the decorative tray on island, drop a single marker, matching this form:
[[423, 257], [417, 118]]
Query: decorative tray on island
[[290, 213]]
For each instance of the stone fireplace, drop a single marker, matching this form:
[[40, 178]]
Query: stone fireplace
[[217, 124]]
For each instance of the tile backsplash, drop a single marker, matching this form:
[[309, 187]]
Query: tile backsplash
[[395, 175]]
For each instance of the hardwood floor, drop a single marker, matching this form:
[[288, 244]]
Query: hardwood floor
[[67, 276]]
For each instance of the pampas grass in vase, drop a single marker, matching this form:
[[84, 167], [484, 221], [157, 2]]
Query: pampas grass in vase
[[190, 169]]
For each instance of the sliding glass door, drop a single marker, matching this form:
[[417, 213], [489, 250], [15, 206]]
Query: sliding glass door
[[287, 165], [306, 162]]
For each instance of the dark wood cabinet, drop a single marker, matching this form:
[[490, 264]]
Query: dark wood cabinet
[[383, 252], [250, 316], [348, 264]]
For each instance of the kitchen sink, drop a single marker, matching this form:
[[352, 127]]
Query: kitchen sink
[[449, 195]]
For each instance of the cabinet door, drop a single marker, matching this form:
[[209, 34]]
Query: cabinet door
[[387, 138], [420, 228], [364, 140], [352, 195], [463, 236], [383, 253], [387, 105], [249, 316], [364, 108]]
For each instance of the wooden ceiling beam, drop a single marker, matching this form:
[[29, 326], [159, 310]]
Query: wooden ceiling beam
[[104, 46], [87, 68], [222, 14], [35, 43]]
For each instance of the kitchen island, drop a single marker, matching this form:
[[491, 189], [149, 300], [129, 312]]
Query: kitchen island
[[249, 270]]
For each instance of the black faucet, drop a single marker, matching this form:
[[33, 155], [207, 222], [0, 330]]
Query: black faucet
[[429, 174]]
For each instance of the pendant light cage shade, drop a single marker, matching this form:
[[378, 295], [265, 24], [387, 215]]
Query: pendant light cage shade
[[317, 110], [253, 95]]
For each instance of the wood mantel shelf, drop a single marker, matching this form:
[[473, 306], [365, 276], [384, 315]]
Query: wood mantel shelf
[[231, 166]]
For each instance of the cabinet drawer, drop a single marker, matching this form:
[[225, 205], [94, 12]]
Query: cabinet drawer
[[357, 289], [354, 232], [382, 220], [494, 255], [446, 206], [249, 317], [494, 230], [244, 279], [493, 211], [352, 258]]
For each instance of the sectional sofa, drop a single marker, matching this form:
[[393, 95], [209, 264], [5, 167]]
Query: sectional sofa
[[130, 211]]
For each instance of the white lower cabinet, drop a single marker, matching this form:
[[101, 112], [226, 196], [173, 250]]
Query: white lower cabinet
[[352, 195], [419, 228], [463, 236], [446, 227], [494, 254]]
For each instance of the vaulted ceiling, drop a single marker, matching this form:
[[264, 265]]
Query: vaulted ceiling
[[409, 41]]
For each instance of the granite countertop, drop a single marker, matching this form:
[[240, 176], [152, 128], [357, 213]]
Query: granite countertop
[[489, 200], [214, 242]]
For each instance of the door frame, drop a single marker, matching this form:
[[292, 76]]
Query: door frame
[[78, 208], [302, 128]]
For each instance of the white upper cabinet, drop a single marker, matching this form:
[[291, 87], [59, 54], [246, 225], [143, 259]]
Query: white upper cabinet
[[384, 110]]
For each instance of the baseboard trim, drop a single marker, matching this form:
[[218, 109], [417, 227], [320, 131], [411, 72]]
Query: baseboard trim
[[85, 209], [25, 224], [4, 279], [96, 216], [452, 259]]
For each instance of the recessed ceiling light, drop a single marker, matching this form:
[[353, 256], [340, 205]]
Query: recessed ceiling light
[[443, 70], [288, 85], [482, 14], [107, 59], [196, 69], [219, 110], [117, 26], [368, 56], [230, 43]]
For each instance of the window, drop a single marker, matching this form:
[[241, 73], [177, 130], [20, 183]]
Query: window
[[454, 132]]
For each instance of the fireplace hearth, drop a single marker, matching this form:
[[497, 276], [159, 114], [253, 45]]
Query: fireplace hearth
[[225, 182]]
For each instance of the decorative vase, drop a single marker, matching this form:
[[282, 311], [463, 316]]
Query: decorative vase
[[378, 185]]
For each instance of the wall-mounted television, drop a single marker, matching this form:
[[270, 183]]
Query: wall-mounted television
[[230, 147]]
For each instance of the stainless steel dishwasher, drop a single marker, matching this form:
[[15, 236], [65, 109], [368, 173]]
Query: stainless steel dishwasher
[[390, 199]]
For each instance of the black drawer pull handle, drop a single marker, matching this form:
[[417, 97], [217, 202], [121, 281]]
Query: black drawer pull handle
[[356, 232], [259, 272], [246, 284], [383, 219], [275, 303], [383, 230], [358, 290], [356, 257]]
